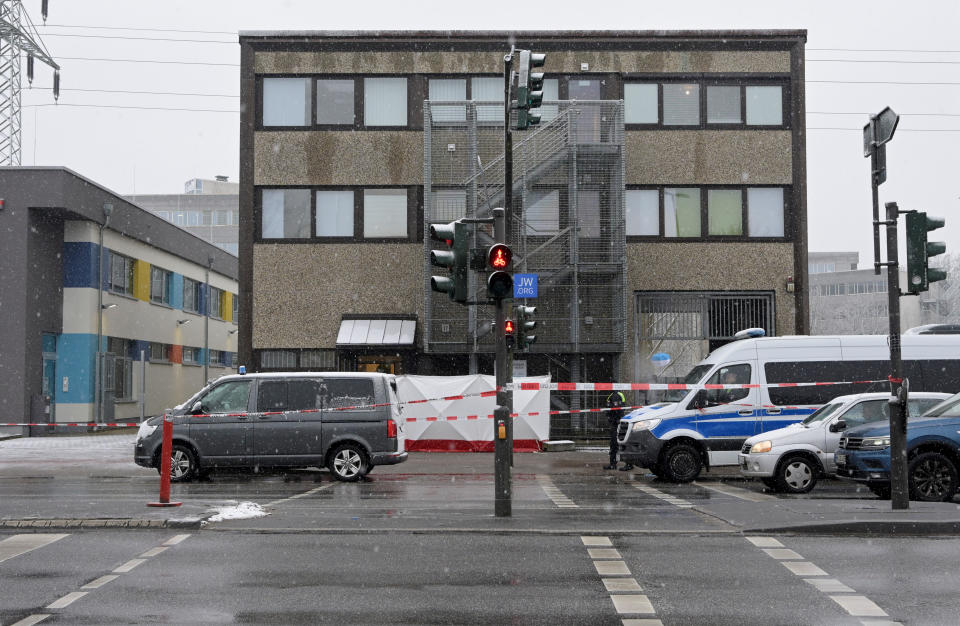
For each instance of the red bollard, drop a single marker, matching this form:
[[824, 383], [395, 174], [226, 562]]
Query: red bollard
[[165, 452]]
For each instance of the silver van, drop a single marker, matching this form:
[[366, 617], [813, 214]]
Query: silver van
[[345, 421]]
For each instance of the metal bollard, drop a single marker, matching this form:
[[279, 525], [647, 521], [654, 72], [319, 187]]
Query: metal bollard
[[166, 449]]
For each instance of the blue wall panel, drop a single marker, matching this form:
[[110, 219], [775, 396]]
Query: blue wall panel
[[80, 264], [76, 355], [176, 289], [136, 346]]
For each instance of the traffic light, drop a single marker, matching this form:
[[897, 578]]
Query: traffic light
[[455, 234], [500, 282], [525, 324], [919, 251], [529, 88], [508, 331]]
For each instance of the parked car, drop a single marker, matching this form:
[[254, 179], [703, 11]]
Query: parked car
[[347, 422], [792, 459], [933, 454]]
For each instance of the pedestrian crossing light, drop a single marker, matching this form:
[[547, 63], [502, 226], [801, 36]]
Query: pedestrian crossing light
[[500, 282], [455, 235], [525, 324], [509, 330], [919, 251], [529, 88]]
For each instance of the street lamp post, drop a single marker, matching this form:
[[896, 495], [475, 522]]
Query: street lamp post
[[98, 366], [206, 326]]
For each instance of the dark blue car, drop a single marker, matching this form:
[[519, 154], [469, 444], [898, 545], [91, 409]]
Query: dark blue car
[[933, 454]]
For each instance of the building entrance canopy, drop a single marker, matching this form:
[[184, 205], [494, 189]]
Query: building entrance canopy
[[376, 332]]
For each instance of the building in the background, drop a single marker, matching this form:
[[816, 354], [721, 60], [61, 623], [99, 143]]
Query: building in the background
[[845, 300], [662, 201], [206, 208], [163, 302]]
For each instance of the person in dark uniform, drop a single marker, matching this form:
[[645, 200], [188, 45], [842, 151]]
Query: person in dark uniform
[[615, 402]]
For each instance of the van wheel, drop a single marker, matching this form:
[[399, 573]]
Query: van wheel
[[348, 463], [796, 474], [932, 477], [682, 463], [183, 464]]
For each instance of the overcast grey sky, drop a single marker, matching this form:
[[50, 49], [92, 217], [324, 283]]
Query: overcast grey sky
[[144, 150]]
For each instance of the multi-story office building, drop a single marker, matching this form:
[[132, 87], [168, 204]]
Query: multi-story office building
[[662, 200], [206, 208], [79, 262]]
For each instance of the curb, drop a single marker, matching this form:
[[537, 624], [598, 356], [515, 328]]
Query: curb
[[882, 528], [112, 523]]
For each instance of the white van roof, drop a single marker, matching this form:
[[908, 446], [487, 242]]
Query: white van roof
[[746, 349]]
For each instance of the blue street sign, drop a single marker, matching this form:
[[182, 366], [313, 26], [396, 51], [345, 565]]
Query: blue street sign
[[525, 285]]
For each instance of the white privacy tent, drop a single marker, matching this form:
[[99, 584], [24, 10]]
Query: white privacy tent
[[464, 425]]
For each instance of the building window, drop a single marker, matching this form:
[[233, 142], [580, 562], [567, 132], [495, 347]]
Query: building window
[[318, 360], [335, 102], [725, 212], [448, 89], [159, 352], [286, 101], [236, 308], [384, 213], [489, 89], [641, 103], [121, 274], [765, 212], [723, 104], [191, 356], [180, 218], [164, 215], [335, 213], [123, 368], [192, 295], [160, 283], [551, 93], [681, 212], [278, 359], [215, 307], [681, 104], [764, 106], [215, 357], [385, 101], [643, 212], [285, 214], [542, 217]]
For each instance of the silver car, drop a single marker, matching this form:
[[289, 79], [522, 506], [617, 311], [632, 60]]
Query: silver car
[[791, 459], [345, 421]]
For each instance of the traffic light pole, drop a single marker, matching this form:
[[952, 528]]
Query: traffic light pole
[[899, 489]]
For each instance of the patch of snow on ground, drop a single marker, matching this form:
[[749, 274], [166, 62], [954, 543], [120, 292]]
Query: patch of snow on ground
[[244, 510]]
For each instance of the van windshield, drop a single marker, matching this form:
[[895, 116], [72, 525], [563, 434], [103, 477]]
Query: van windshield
[[694, 376], [822, 413], [948, 408]]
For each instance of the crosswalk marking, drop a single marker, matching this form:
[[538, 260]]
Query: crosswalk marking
[[100, 582], [595, 541], [603, 553], [611, 568], [765, 542], [153, 552], [737, 492], [21, 544], [803, 568], [859, 606], [614, 585], [66, 600], [30, 620], [633, 603], [129, 565], [782, 554], [829, 585]]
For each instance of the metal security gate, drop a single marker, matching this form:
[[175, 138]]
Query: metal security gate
[[687, 326]]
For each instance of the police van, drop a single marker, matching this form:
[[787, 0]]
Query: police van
[[693, 429]]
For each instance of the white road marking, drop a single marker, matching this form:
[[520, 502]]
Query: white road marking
[[611, 568], [859, 606], [646, 621], [621, 584], [175, 540], [764, 542], [554, 493], [589, 540], [737, 492], [666, 497], [129, 565], [803, 568], [782, 554], [879, 622], [299, 495], [633, 603], [21, 544], [603, 553], [67, 600], [100, 582], [153, 552], [829, 585], [30, 620]]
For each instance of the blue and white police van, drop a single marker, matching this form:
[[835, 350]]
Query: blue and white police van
[[693, 429]]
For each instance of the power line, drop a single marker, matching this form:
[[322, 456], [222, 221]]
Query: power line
[[119, 106], [152, 93], [233, 43], [149, 61], [154, 30]]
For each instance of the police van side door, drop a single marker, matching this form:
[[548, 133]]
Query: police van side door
[[726, 417]]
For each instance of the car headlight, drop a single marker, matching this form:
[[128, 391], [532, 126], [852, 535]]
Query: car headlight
[[875, 443], [646, 424], [761, 447], [145, 430]]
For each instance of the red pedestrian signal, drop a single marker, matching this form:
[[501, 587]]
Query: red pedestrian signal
[[508, 327], [499, 256]]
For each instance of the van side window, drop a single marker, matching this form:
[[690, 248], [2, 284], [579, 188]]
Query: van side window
[[939, 375], [228, 397], [730, 375], [289, 395], [342, 392], [824, 371]]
